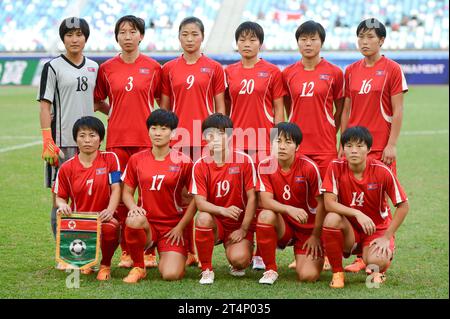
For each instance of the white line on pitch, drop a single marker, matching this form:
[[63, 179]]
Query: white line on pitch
[[20, 146], [12, 137], [435, 132]]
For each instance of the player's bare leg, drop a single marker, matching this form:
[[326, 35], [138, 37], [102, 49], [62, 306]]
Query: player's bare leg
[[308, 269], [205, 239], [338, 238], [377, 262], [138, 235], [171, 265], [239, 256]]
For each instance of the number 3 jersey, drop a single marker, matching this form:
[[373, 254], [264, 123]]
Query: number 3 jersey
[[131, 89], [160, 184], [370, 90], [88, 188], [225, 185], [70, 90], [298, 187], [367, 195]]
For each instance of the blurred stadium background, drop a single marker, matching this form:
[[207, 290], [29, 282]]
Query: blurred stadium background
[[417, 36]]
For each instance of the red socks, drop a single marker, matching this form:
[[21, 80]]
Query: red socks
[[333, 242], [136, 239], [122, 213], [266, 239], [204, 239], [109, 242]]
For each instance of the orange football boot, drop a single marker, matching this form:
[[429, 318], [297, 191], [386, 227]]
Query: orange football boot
[[338, 280], [357, 265], [150, 261], [135, 275], [104, 273], [125, 260]]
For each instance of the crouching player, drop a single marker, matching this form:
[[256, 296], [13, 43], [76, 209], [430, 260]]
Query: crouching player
[[223, 186], [157, 220], [91, 182], [293, 207], [359, 218]]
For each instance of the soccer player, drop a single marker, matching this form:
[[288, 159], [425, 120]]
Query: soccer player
[[293, 207], [374, 88], [91, 182], [223, 186], [193, 87], [314, 85], [65, 94], [255, 97], [359, 218], [159, 174], [131, 82]]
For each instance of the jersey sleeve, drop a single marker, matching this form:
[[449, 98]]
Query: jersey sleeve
[[249, 174], [61, 187], [199, 181], [187, 172], [264, 183], [218, 80], [338, 89], [329, 184], [347, 82], [393, 188], [113, 168], [101, 85], [398, 82], [48, 83], [285, 79], [278, 89], [165, 80], [313, 179], [129, 176], [156, 83]]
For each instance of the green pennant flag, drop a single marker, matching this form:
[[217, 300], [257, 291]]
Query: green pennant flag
[[78, 240]]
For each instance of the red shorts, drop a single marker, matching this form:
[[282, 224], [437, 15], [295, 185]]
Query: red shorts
[[124, 154], [295, 236], [377, 155], [362, 240], [159, 241], [322, 161], [224, 232]]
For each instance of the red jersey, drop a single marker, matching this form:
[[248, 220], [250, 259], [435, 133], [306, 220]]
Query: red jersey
[[313, 94], [160, 184], [368, 194], [131, 90], [226, 185], [297, 187], [370, 90], [252, 92], [191, 89], [88, 188]]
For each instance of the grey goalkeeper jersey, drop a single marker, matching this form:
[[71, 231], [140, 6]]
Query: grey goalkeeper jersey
[[70, 89]]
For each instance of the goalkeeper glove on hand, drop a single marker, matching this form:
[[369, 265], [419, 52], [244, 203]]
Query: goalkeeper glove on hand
[[50, 151]]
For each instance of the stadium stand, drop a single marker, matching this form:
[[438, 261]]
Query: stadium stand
[[32, 25]]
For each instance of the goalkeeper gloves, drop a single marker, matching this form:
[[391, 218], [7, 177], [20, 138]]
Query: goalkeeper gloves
[[50, 151]]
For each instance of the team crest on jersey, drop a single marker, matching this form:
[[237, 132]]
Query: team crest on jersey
[[100, 171], [379, 72], [299, 179], [372, 186], [325, 77], [263, 74], [205, 70], [144, 71], [234, 170], [91, 69], [174, 168]]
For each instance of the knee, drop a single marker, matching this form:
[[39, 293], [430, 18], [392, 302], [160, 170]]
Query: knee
[[170, 275], [267, 217], [136, 221], [332, 220], [240, 262], [377, 264], [204, 220], [308, 276]]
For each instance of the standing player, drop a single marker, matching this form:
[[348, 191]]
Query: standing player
[[359, 218], [255, 94], [159, 174], [293, 207], [223, 186], [130, 81], [65, 94], [374, 88], [193, 87], [314, 85], [91, 181]]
